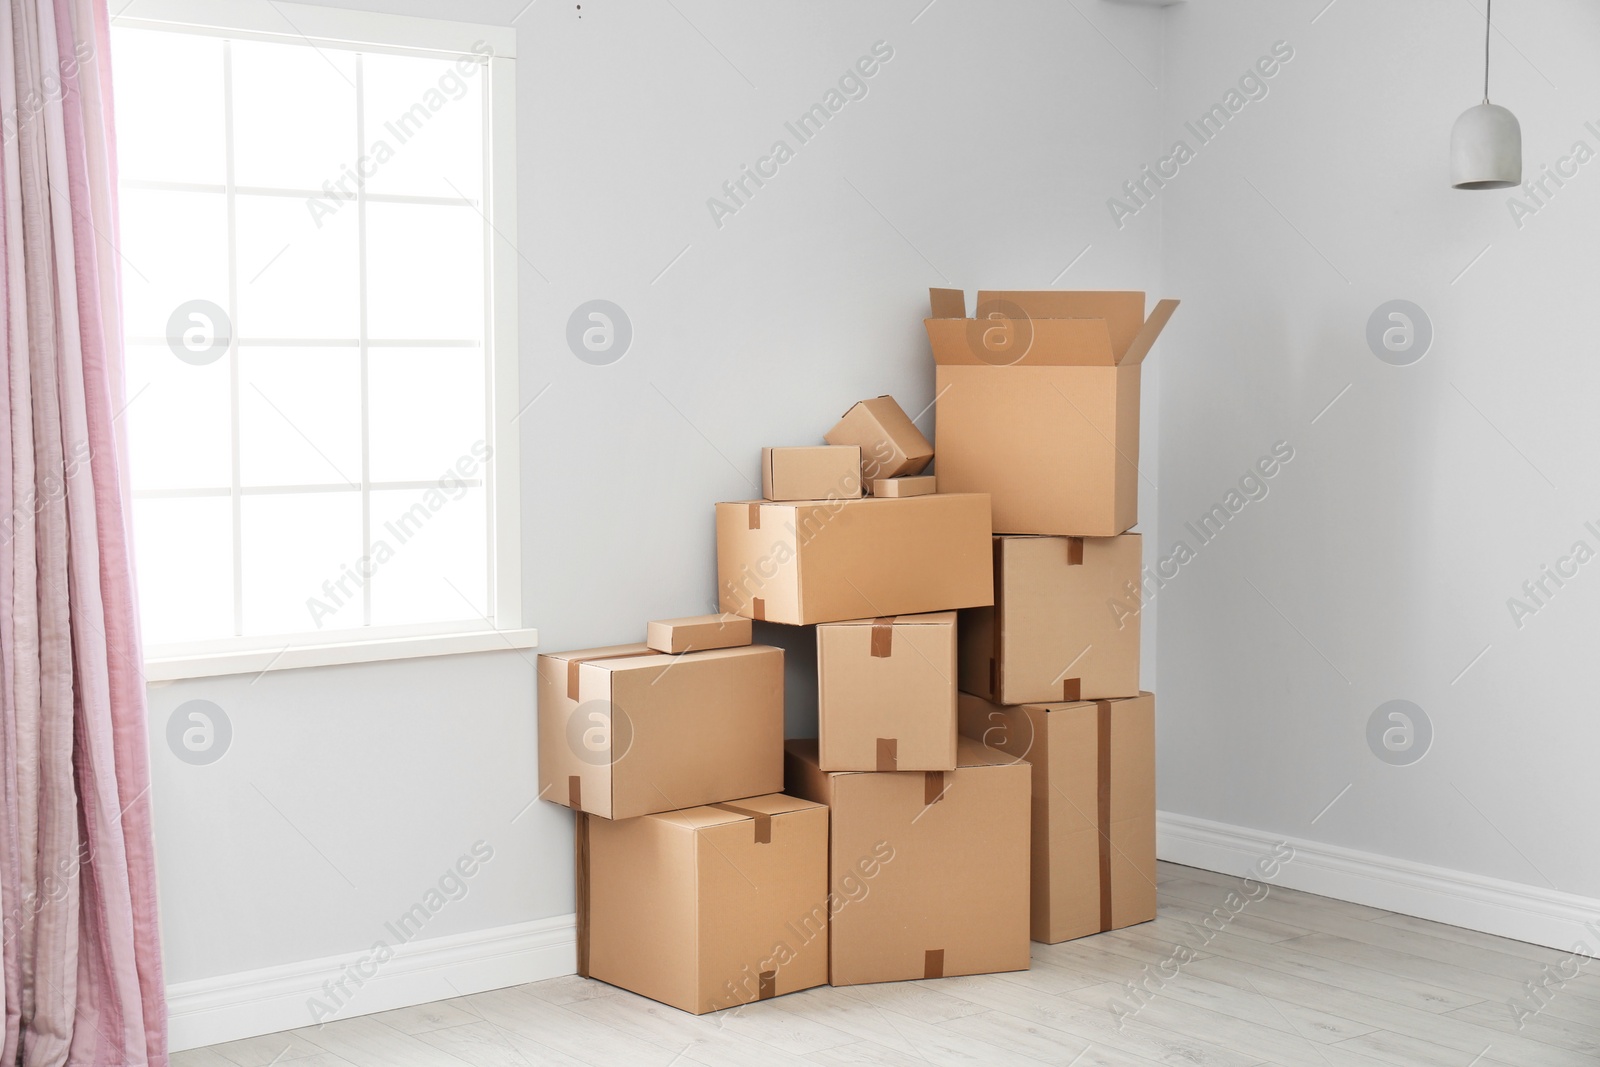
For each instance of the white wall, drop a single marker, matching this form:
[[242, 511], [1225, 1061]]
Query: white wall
[[980, 157], [1380, 564]]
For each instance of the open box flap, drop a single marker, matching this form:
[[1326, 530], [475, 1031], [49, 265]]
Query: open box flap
[[1045, 328], [1003, 342], [1122, 310], [947, 303], [1148, 334]]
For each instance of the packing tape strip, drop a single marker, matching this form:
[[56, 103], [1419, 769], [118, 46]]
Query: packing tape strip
[[768, 987], [581, 866], [932, 787], [758, 609], [1071, 689], [882, 638], [763, 821], [1103, 802], [933, 963], [1074, 551], [755, 516], [574, 664], [574, 792], [888, 754]]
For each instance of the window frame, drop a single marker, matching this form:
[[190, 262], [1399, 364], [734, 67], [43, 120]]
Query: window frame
[[350, 30]]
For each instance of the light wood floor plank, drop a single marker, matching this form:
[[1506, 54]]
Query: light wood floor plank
[[261, 1051], [703, 1039], [1537, 953], [1574, 1036], [486, 1045], [1289, 957], [421, 1018], [366, 1042], [1284, 1016], [1098, 1025], [1451, 1031]]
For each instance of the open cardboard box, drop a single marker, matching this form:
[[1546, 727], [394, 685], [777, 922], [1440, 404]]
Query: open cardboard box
[[1038, 405]]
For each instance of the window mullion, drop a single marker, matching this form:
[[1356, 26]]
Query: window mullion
[[491, 465], [235, 478], [361, 288]]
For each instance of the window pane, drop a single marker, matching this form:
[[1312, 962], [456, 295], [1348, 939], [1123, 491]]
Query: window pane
[[300, 416], [429, 548], [185, 568], [424, 271], [177, 419], [294, 422], [424, 125], [174, 249], [426, 413], [301, 552], [169, 106], [297, 275], [294, 114]]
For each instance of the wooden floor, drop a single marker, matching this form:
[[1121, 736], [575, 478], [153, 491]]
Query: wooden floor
[[1294, 979]]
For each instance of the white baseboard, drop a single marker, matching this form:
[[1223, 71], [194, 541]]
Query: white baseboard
[[273, 999], [1510, 909]]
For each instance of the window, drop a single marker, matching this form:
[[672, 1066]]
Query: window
[[318, 297]]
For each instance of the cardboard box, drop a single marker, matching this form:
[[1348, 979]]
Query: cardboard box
[[1094, 807], [814, 472], [706, 908], [891, 445], [854, 559], [1064, 625], [929, 871], [1038, 405], [627, 731], [697, 633], [909, 485], [886, 694]]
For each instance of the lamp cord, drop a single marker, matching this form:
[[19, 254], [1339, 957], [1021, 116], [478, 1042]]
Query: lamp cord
[[1488, 21]]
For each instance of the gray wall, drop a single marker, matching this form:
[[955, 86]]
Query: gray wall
[[1381, 562], [981, 156]]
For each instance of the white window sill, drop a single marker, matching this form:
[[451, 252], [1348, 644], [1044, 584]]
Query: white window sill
[[259, 661]]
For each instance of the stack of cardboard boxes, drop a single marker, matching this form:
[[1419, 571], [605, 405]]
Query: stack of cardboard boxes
[[1038, 403], [926, 831]]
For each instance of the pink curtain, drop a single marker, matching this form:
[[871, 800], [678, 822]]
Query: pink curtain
[[82, 957]]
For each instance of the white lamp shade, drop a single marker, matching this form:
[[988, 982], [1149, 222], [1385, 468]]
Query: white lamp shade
[[1486, 149]]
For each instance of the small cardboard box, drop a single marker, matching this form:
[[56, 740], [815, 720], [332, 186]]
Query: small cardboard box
[[697, 633], [929, 871], [886, 694], [811, 472], [910, 485], [1094, 807], [891, 445], [1038, 405], [854, 559], [628, 731], [709, 907], [1064, 625]]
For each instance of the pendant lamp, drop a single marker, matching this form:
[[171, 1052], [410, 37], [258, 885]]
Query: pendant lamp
[[1486, 144]]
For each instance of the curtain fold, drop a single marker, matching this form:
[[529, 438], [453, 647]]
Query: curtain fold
[[81, 960]]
